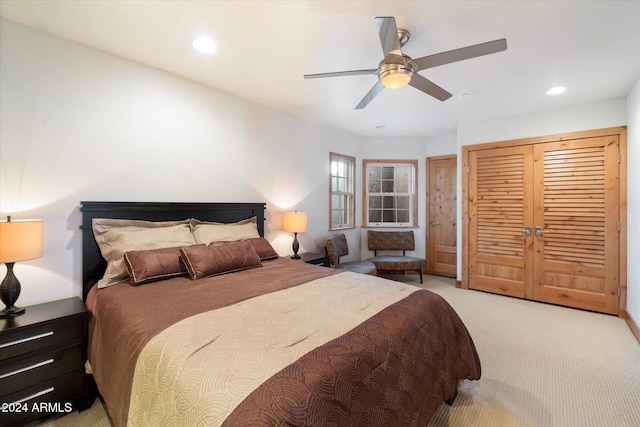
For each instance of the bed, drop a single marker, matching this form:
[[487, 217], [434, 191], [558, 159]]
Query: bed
[[247, 338]]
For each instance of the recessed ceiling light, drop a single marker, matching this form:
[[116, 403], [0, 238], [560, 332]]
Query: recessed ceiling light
[[204, 45], [464, 96], [556, 90], [381, 126]]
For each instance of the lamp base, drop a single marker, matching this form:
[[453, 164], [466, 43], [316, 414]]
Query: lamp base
[[9, 293], [12, 312]]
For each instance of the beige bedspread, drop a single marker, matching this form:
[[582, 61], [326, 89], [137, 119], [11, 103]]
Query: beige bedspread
[[199, 370]]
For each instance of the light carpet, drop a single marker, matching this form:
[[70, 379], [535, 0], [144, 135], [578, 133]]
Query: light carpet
[[542, 366]]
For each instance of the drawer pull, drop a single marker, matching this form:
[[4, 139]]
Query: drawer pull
[[35, 337], [33, 396], [28, 368]]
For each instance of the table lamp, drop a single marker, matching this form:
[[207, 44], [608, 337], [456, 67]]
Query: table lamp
[[20, 240], [295, 222]]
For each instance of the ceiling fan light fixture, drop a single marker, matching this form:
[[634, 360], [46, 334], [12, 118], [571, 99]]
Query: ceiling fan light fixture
[[396, 71], [395, 79]]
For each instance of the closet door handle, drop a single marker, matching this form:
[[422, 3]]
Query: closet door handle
[[527, 231], [539, 231]]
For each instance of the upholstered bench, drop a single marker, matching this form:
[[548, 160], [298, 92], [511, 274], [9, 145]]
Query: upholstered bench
[[336, 246], [394, 241]]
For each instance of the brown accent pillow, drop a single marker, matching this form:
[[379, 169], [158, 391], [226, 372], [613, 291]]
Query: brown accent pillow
[[155, 264], [263, 248], [202, 261]]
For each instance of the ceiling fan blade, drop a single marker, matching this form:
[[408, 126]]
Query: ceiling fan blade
[[376, 89], [429, 87], [341, 73], [461, 54], [388, 32]]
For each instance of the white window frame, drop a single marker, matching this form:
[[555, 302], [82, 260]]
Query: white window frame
[[391, 193], [346, 176]]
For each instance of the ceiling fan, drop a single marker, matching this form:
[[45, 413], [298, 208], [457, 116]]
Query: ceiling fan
[[397, 69]]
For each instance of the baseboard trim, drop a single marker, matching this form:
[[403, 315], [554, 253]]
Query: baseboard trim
[[635, 330]]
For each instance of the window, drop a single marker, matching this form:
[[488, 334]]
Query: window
[[341, 199], [390, 193]]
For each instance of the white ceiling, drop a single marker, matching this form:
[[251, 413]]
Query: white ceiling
[[265, 47]]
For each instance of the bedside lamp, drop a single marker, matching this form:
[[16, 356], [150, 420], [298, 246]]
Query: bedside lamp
[[295, 222], [19, 241]]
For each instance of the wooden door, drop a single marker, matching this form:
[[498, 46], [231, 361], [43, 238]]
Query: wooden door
[[500, 209], [441, 225], [576, 215], [544, 221]]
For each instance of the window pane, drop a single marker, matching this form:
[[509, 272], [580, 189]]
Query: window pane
[[375, 215], [403, 216], [389, 216], [375, 172], [375, 202], [387, 186], [375, 186], [402, 186], [404, 202], [388, 202], [388, 172]]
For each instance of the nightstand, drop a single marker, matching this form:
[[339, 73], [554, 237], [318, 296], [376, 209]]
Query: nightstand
[[42, 355], [316, 259]]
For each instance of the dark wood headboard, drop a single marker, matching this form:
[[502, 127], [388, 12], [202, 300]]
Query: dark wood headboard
[[93, 265]]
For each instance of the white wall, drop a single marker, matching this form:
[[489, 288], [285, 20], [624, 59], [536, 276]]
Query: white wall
[[79, 124], [633, 203]]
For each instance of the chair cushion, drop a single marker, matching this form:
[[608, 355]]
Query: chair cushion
[[398, 263], [362, 267]]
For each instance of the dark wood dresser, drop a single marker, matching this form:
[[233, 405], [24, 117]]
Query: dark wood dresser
[[42, 355]]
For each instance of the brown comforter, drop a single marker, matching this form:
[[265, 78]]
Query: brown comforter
[[395, 368]]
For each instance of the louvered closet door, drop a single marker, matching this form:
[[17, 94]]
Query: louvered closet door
[[500, 253], [576, 208]]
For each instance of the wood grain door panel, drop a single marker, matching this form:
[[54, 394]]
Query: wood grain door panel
[[576, 206], [442, 228], [500, 257]]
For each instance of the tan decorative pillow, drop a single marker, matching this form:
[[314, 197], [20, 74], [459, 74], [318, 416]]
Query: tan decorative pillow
[[207, 232], [263, 248], [116, 237], [203, 260], [154, 264]]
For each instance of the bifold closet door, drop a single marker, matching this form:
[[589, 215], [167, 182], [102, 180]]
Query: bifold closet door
[[500, 210], [576, 223], [544, 222]]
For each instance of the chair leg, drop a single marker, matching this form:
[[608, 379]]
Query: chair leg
[[420, 272]]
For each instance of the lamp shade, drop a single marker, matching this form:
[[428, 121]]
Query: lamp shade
[[20, 240], [295, 222]]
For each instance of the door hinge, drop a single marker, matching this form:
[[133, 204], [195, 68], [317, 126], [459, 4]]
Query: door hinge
[[619, 226], [619, 292], [619, 158]]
